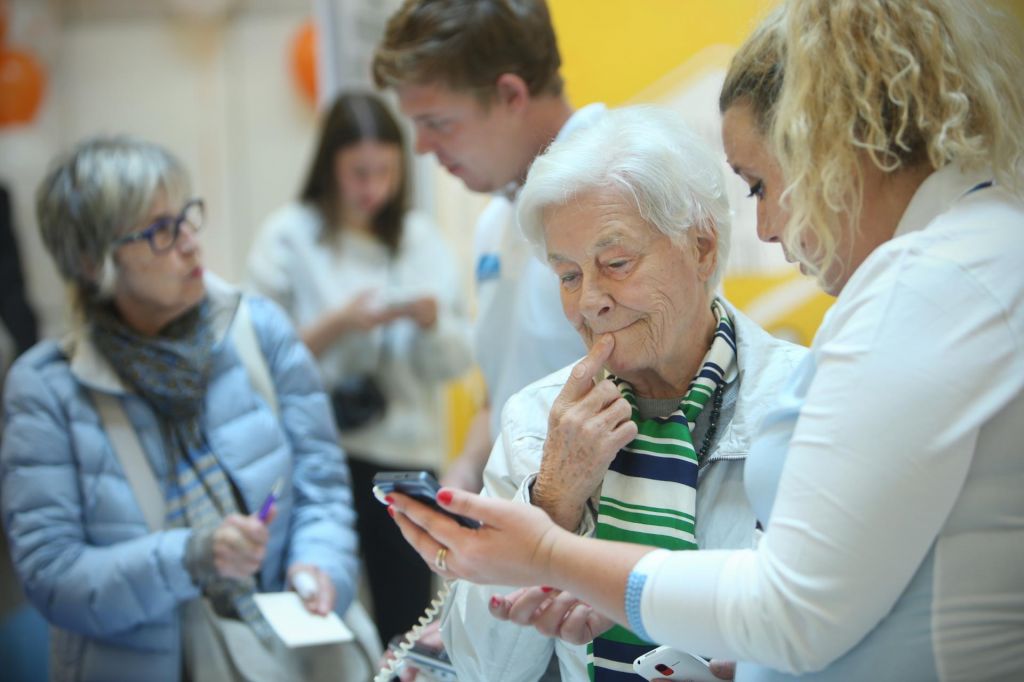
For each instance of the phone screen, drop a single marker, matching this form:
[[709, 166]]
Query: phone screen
[[417, 484]]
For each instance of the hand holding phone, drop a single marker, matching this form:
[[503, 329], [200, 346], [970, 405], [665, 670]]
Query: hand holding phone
[[420, 485], [668, 664]]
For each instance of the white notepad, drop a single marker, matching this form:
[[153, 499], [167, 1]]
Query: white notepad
[[298, 627]]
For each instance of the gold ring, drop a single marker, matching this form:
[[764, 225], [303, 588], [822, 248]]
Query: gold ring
[[439, 560]]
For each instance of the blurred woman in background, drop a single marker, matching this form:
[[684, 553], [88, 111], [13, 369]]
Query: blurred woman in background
[[137, 454], [375, 294]]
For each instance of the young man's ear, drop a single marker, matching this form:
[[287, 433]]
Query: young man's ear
[[512, 92]]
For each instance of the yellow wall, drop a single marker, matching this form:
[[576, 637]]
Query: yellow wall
[[612, 49]]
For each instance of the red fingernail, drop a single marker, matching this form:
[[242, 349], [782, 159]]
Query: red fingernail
[[391, 511], [495, 602], [444, 496], [389, 499], [545, 588]]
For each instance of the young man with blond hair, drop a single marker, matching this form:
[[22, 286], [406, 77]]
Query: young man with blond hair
[[480, 81]]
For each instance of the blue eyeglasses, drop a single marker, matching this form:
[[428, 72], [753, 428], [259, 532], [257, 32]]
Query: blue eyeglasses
[[163, 233]]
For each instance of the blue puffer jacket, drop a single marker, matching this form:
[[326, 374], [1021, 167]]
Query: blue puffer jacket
[[110, 588]]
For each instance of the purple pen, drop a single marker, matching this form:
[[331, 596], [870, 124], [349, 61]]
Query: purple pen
[[275, 492]]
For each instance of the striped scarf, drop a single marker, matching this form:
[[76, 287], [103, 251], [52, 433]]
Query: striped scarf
[[649, 494], [171, 371]]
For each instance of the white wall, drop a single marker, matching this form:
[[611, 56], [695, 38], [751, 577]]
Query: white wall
[[218, 94]]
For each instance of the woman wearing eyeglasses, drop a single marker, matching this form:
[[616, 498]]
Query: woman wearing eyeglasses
[[247, 486]]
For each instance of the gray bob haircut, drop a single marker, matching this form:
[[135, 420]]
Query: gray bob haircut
[[644, 152], [102, 189]]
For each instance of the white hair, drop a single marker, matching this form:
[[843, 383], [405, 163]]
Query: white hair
[[644, 152]]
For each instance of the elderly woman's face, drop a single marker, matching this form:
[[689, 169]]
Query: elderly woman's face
[[154, 288], [622, 277]]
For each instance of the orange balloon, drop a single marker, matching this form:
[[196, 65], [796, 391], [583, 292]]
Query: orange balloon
[[303, 60], [22, 81]]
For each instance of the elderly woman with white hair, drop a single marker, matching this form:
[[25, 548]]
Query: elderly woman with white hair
[[644, 439], [172, 457]]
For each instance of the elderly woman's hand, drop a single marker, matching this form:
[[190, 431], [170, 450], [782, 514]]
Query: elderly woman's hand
[[513, 546], [552, 612], [588, 425]]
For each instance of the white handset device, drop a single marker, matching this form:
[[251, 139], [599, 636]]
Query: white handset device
[[665, 663]]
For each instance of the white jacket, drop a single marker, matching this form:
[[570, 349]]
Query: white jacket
[[485, 649]]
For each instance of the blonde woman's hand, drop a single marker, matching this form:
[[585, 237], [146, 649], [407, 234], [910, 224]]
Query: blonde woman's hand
[[512, 547]]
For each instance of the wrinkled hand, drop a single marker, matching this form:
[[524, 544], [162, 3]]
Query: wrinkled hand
[[513, 547], [589, 423], [552, 612], [239, 545], [321, 600], [422, 311]]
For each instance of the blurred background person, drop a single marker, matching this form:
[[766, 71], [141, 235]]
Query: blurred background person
[[375, 294], [22, 630], [125, 579], [16, 313]]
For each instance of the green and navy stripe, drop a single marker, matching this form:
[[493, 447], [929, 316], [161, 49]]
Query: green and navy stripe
[[649, 493]]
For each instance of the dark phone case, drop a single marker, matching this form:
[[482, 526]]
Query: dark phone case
[[420, 485]]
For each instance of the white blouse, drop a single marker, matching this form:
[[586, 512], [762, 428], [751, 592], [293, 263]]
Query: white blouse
[[895, 548]]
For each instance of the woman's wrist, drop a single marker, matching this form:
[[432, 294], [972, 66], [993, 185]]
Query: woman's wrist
[[635, 584], [198, 559]]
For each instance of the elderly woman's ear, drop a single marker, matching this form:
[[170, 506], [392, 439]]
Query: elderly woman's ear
[[705, 245]]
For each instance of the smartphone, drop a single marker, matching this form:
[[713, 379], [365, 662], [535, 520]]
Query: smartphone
[[669, 664], [420, 485]]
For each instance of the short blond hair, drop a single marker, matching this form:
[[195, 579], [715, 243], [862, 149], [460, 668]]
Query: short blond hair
[[906, 82]]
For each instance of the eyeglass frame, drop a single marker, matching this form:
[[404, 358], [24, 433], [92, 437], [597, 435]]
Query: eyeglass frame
[[161, 222]]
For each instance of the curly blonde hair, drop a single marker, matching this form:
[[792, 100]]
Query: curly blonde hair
[[755, 72], [906, 82]]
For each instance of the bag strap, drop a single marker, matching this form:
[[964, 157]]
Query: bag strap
[[124, 440], [243, 334]]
